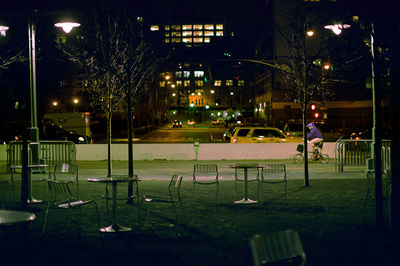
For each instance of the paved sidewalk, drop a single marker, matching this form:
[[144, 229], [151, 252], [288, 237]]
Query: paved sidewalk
[[163, 169]]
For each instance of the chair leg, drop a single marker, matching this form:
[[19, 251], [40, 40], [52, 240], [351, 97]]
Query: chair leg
[[286, 190], [148, 212], [218, 193], [45, 217], [366, 198]]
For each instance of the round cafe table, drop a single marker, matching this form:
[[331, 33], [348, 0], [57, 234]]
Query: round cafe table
[[114, 227], [245, 167]]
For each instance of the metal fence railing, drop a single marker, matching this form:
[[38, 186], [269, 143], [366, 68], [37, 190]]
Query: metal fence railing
[[357, 152], [52, 152], [351, 152]]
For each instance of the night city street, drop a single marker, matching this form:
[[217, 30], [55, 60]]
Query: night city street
[[297, 96]]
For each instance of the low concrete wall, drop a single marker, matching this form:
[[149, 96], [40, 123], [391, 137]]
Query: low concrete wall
[[205, 151]]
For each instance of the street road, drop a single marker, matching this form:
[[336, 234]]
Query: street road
[[186, 134]]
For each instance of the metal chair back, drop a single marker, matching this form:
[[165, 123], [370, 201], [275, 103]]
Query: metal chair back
[[273, 174], [278, 248], [205, 174]]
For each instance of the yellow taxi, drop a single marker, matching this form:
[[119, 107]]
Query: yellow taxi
[[261, 135]]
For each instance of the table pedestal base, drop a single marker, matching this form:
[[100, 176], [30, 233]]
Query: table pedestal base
[[245, 201], [114, 228]]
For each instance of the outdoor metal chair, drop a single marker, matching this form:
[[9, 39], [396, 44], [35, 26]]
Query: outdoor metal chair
[[277, 249], [173, 197], [273, 174], [6, 178], [60, 197], [253, 175], [205, 174], [67, 172], [370, 187]]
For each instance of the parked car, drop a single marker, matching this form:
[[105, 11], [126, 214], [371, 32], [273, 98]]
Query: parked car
[[191, 122], [176, 123], [55, 132], [329, 133], [261, 135], [216, 122], [366, 134], [293, 129]]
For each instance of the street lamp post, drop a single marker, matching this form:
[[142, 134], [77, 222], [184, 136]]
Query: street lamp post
[[34, 130]]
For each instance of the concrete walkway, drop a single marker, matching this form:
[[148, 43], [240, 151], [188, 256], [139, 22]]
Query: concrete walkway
[[163, 169]]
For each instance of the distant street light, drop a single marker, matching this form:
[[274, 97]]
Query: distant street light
[[76, 100]]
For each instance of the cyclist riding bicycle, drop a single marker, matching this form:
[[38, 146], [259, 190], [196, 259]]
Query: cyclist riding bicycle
[[314, 136]]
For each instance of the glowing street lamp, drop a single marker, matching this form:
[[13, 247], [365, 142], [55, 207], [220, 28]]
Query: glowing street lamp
[[3, 30], [337, 28], [75, 100], [67, 26]]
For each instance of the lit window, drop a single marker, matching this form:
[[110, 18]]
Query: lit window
[[186, 27], [178, 74], [219, 33], [186, 65], [166, 27], [176, 27], [217, 83], [186, 74], [162, 83], [209, 26], [219, 27], [179, 83], [176, 40], [186, 40], [240, 82], [229, 82], [209, 33], [207, 39], [199, 74], [167, 34], [186, 33], [197, 33], [154, 28], [176, 33], [198, 40], [198, 83], [186, 83], [167, 40], [197, 27]]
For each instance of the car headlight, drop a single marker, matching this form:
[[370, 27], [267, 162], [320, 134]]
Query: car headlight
[[81, 139]]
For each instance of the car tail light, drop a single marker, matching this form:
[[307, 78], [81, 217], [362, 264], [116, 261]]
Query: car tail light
[[234, 140]]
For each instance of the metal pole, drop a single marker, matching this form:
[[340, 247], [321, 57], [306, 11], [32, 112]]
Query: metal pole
[[376, 141], [34, 130], [305, 103]]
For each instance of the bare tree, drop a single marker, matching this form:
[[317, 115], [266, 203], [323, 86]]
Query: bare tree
[[299, 60], [114, 60]]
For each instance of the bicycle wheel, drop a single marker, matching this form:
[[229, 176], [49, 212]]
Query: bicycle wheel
[[324, 158], [298, 158]]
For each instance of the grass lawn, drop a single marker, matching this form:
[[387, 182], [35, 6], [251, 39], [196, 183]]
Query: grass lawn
[[329, 216]]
